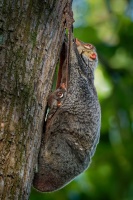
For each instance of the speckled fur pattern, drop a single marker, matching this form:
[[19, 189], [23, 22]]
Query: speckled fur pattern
[[72, 136]]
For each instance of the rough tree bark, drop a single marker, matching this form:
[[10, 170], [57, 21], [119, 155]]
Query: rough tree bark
[[31, 35]]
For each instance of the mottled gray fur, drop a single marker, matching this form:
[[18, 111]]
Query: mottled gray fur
[[73, 132]]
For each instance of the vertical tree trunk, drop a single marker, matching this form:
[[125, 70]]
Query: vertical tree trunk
[[31, 35]]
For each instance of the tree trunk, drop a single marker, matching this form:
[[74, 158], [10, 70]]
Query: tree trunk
[[31, 35]]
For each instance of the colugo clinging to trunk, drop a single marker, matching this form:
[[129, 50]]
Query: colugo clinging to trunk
[[73, 124]]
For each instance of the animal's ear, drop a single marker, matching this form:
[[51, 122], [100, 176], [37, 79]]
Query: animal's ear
[[78, 43]]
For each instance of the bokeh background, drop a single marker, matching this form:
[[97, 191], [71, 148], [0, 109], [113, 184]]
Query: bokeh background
[[108, 24]]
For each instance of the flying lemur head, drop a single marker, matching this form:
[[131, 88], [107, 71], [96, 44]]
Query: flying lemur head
[[88, 53]]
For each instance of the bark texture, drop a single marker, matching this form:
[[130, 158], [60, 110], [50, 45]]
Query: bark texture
[[31, 35]]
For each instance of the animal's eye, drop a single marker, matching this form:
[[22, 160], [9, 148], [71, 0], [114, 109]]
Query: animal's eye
[[88, 46], [59, 94]]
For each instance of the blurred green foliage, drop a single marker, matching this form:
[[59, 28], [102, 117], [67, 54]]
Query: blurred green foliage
[[108, 24]]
